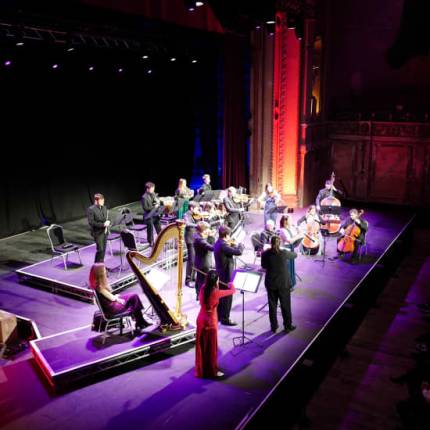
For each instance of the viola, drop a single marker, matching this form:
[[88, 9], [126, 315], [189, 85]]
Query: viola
[[352, 232]]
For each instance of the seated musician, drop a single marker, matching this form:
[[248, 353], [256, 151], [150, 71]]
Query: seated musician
[[182, 195], [269, 199], [204, 240], [115, 304], [325, 192], [151, 214], [234, 210], [206, 186], [355, 218], [191, 218], [268, 232], [309, 224]]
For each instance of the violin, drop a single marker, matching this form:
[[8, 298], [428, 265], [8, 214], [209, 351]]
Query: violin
[[201, 216], [352, 232]]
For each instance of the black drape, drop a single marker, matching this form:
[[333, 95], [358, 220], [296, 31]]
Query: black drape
[[236, 112]]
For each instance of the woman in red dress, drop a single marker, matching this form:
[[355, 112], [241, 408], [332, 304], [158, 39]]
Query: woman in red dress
[[207, 327]]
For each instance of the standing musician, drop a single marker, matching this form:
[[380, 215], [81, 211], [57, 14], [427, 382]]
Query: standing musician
[[269, 199], [206, 186], [353, 231], [97, 215], [225, 249], [204, 240], [325, 192], [191, 218], [290, 237], [151, 214], [278, 283], [182, 196], [234, 210]]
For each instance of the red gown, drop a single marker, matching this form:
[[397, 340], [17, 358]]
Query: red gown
[[207, 334]]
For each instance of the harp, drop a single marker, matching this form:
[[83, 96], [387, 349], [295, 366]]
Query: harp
[[169, 319]]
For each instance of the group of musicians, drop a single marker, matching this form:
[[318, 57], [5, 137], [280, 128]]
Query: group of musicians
[[202, 226]]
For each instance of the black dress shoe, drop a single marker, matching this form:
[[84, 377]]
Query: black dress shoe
[[274, 329], [289, 328], [229, 322]]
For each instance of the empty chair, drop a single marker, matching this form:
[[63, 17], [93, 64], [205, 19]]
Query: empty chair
[[60, 246], [257, 244], [127, 220]]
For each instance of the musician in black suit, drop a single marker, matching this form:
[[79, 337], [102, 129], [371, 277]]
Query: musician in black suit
[[224, 250], [190, 219], [328, 190], [234, 210], [206, 185], [97, 215], [203, 248], [151, 214], [278, 282], [355, 218]]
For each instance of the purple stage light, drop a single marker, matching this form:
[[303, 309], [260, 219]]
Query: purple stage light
[[257, 27], [91, 68], [149, 72], [120, 70], [7, 63], [55, 66]]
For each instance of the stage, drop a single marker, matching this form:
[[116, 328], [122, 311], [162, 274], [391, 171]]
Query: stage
[[163, 393]]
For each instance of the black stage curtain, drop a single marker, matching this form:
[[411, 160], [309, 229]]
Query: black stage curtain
[[236, 115], [70, 134]]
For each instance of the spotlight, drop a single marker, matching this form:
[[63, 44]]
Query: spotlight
[[20, 44], [191, 5], [199, 3], [70, 49], [149, 72], [8, 63], [91, 68], [194, 61], [270, 22], [173, 59], [258, 27], [145, 57], [120, 70], [54, 66]]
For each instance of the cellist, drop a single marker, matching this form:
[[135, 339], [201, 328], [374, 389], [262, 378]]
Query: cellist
[[353, 231]]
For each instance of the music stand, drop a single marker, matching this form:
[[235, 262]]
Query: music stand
[[327, 210], [245, 281]]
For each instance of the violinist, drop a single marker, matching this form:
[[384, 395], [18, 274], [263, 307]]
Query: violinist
[[269, 199], [268, 232], [234, 210], [224, 250], [151, 214], [353, 231], [191, 217]]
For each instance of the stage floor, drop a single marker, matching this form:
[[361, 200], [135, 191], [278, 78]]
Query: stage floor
[[165, 394]]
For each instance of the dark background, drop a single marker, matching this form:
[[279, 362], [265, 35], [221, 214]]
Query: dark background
[[68, 133]]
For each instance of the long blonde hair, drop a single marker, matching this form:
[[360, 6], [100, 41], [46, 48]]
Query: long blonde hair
[[98, 278]]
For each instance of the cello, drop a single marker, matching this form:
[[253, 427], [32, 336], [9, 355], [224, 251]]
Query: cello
[[352, 232], [330, 221], [310, 241]]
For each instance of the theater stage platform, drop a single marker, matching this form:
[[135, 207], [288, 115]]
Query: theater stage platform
[[163, 393]]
